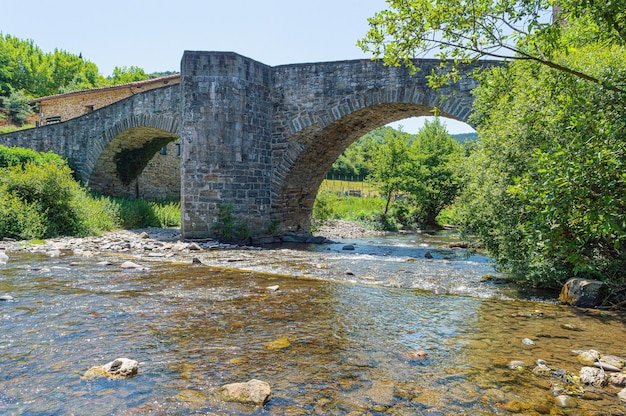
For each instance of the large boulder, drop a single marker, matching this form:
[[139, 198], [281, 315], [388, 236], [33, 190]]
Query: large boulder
[[252, 392], [583, 293]]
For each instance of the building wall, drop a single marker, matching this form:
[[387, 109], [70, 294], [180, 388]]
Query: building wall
[[64, 107]]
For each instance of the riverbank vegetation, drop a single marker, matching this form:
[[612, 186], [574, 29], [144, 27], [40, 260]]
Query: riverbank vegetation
[[546, 185], [39, 198], [410, 179]]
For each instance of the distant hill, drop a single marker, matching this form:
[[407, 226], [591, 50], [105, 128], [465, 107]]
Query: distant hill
[[464, 137]]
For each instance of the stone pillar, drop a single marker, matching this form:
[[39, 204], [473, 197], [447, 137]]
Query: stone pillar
[[226, 144]]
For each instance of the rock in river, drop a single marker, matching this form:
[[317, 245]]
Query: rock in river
[[593, 376], [252, 392], [583, 293], [116, 369]]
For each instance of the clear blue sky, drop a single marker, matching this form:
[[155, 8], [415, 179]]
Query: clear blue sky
[[153, 34]]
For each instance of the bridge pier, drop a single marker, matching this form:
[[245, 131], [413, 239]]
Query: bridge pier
[[226, 144]]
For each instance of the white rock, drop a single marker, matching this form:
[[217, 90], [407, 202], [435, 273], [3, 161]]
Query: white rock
[[3, 257], [618, 379], [130, 265], [122, 367], [273, 288], [592, 375]]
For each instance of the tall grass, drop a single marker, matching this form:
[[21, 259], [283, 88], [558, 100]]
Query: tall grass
[[139, 213]]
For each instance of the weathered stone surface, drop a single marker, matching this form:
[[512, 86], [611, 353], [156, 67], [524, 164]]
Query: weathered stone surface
[[617, 379], [583, 293], [116, 369], [613, 360], [593, 376], [252, 392]]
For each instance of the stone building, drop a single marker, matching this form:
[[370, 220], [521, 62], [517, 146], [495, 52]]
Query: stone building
[[63, 107]]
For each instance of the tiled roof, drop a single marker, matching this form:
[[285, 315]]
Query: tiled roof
[[136, 84]]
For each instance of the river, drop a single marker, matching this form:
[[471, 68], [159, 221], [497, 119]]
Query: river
[[336, 337]]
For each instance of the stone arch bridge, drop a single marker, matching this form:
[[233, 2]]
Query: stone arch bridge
[[257, 138]]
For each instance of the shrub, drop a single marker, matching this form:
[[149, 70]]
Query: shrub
[[43, 200], [19, 109]]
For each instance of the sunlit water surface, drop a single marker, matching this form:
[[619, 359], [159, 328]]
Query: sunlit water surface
[[350, 317]]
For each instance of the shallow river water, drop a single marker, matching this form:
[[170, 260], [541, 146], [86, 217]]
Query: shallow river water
[[335, 339]]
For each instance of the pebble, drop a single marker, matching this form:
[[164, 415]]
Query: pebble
[[528, 341], [565, 401], [516, 365]]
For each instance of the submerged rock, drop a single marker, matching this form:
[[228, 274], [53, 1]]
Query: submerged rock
[[588, 357], [622, 395], [415, 355], [583, 293], [516, 365], [251, 392], [565, 401], [3, 257]]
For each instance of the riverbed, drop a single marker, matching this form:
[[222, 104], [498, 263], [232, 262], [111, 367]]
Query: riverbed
[[333, 328]]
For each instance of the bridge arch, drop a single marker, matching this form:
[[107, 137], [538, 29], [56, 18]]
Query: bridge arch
[[141, 161], [314, 150]]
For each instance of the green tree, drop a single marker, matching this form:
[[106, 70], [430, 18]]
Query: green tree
[[433, 183], [548, 191], [459, 31], [19, 109], [124, 75], [390, 165]]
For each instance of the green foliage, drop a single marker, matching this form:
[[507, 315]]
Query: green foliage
[[20, 219], [228, 226], [125, 75], [11, 156], [330, 206], [45, 201], [136, 213], [17, 105], [355, 161], [462, 31], [25, 67], [547, 190], [433, 182], [416, 175], [391, 166]]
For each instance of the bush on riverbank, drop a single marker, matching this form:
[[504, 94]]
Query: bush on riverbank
[[39, 198], [42, 200]]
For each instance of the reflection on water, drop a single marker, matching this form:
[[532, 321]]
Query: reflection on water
[[194, 328]]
